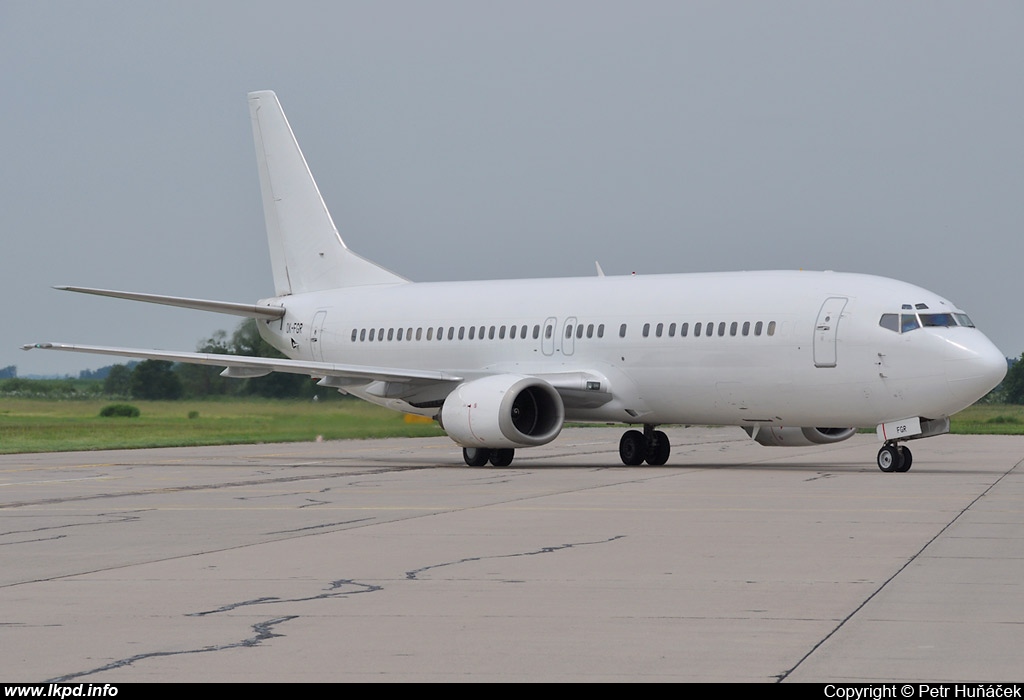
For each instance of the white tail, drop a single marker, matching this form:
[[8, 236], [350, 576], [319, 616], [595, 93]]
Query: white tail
[[306, 251]]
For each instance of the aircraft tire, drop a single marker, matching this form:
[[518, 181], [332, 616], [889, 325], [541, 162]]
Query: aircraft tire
[[658, 449], [476, 456], [632, 448], [907, 460], [503, 457], [890, 458]]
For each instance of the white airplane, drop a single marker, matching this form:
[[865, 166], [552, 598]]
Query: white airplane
[[793, 357]]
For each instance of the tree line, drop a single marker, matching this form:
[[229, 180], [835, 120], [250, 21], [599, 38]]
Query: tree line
[[161, 380]]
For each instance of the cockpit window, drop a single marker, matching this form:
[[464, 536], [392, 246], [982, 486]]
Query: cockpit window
[[905, 322], [908, 322]]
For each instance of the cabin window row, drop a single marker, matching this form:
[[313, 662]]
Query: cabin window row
[[513, 332], [709, 329]]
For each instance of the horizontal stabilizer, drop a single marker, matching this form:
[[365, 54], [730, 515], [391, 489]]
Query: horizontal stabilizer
[[267, 313]]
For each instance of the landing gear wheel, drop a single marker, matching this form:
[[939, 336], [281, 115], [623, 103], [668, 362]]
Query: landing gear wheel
[[632, 448], [890, 458], [658, 448], [476, 456], [908, 459], [503, 457]]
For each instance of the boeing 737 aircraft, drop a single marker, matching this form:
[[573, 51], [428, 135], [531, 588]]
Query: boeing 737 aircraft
[[792, 357]]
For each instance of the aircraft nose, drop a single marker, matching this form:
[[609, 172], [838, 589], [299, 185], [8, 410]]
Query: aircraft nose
[[973, 368]]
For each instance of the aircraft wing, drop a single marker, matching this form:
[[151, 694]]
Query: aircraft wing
[[244, 366]]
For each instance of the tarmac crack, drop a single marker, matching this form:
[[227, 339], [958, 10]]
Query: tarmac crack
[[414, 573], [262, 632], [332, 592]]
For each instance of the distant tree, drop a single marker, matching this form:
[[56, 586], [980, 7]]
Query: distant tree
[[1013, 384], [100, 373], [8, 372], [204, 380], [248, 341], [118, 381], [155, 380]]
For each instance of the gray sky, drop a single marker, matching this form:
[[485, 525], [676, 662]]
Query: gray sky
[[472, 140]]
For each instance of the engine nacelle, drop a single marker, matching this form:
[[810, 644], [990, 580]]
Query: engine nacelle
[[799, 437], [506, 410]]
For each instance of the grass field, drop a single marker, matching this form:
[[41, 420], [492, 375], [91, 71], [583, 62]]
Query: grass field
[[40, 425], [46, 425]]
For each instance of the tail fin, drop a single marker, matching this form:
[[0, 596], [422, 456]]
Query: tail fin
[[306, 252]]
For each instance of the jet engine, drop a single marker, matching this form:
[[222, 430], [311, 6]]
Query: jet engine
[[799, 437], [505, 410]]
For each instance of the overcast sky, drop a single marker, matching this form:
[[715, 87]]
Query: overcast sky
[[473, 140]]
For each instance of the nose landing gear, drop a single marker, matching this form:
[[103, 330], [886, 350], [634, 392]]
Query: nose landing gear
[[893, 457]]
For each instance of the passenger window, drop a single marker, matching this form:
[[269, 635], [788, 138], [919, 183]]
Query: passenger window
[[746, 328], [696, 330], [568, 330], [600, 331], [757, 327], [472, 332], [579, 331], [733, 328], [354, 334], [721, 328], [399, 334], [659, 329], [622, 331], [362, 335], [647, 330], [671, 330], [684, 329], [490, 333], [549, 331], [771, 328]]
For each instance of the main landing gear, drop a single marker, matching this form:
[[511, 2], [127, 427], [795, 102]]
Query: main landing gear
[[894, 457], [480, 456], [651, 446]]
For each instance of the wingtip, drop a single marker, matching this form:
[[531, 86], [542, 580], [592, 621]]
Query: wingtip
[[34, 346]]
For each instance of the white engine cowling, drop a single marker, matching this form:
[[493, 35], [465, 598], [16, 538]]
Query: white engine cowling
[[800, 437], [506, 410]]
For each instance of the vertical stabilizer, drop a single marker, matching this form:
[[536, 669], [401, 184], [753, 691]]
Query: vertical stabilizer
[[306, 252]]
